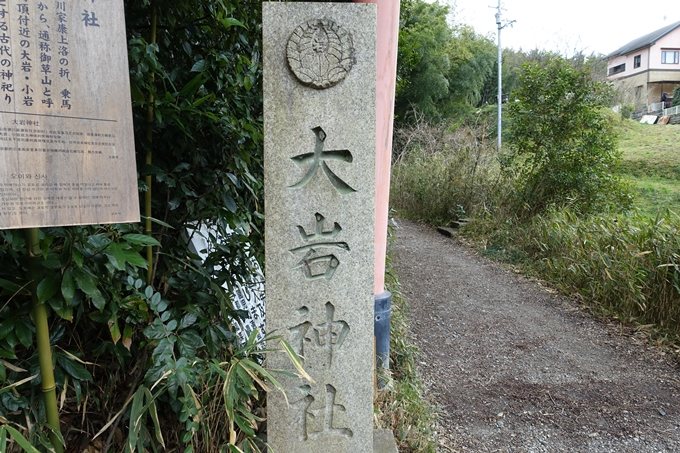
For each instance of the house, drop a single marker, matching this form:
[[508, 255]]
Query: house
[[647, 67]]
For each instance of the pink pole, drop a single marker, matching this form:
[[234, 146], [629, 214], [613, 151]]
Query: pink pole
[[388, 35]]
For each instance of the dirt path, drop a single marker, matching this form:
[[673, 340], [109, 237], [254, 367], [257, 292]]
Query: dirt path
[[516, 368]]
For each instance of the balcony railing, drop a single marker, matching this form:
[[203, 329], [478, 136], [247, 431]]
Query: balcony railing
[[671, 111], [655, 107]]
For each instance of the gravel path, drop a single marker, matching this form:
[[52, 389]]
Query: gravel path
[[517, 368]]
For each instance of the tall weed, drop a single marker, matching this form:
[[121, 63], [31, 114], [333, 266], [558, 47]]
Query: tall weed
[[441, 172], [628, 265]]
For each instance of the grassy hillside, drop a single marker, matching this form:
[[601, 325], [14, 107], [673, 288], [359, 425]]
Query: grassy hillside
[[651, 158]]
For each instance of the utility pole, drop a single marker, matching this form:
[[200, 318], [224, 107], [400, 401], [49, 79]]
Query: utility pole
[[501, 26]]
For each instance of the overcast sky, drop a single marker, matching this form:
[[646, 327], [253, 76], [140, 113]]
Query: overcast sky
[[599, 26]]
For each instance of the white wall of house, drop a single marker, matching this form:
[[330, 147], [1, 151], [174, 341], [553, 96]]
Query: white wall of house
[[629, 61], [670, 42]]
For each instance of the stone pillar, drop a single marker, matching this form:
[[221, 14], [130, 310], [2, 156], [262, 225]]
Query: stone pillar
[[319, 147]]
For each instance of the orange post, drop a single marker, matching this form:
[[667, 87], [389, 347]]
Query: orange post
[[388, 34]]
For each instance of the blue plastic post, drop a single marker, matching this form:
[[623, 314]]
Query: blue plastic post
[[381, 328]]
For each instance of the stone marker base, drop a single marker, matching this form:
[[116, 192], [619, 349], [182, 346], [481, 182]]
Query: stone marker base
[[383, 441]]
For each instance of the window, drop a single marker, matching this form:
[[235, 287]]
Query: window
[[670, 56], [617, 69], [638, 93], [637, 61]]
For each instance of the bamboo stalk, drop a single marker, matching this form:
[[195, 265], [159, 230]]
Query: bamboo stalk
[[149, 156], [42, 338]]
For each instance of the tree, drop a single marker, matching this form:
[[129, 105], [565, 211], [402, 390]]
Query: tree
[[473, 60], [562, 145], [422, 61]]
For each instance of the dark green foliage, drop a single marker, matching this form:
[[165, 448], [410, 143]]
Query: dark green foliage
[[422, 61], [474, 60], [676, 96], [441, 69], [562, 145], [204, 76]]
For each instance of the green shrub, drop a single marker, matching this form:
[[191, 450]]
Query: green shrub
[[562, 147], [676, 96], [626, 111]]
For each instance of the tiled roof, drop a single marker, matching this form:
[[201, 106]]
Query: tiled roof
[[644, 41]]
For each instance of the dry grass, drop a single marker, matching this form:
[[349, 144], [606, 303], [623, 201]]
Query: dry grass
[[443, 173], [401, 405]]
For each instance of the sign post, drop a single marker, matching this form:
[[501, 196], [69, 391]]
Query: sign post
[[66, 136]]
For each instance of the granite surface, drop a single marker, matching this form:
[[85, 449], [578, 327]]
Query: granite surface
[[319, 150]]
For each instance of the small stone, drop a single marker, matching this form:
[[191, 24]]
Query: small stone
[[448, 232]]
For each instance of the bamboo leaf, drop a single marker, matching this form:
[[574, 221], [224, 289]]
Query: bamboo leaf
[[68, 286], [76, 358], [248, 366], [7, 354], [297, 361], [6, 327], [18, 438], [48, 287], [199, 66], [74, 369], [159, 222], [229, 22], [13, 287], [265, 374], [18, 383], [114, 418], [136, 414], [12, 367], [196, 82], [141, 239], [154, 416], [24, 332]]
